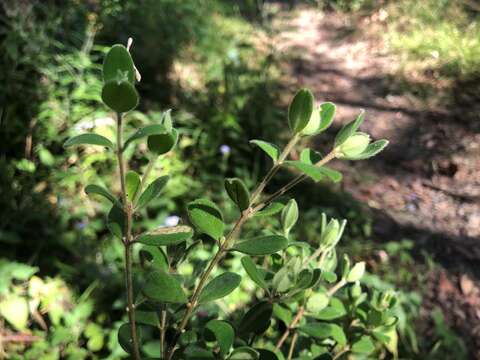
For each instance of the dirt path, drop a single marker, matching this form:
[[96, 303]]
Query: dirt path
[[426, 185]]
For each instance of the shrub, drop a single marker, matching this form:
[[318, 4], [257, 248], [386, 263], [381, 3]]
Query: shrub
[[306, 303]]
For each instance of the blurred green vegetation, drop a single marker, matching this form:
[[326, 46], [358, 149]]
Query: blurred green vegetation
[[214, 64]]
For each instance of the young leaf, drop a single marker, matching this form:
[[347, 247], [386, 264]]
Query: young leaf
[[316, 172], [270, 149], [289, 216], [148, 130], [364, 345], [125, 337], [120, 96], [95, 189], [244, 353], [132, 182], [89, 139], [322, 330], [356, 272], [253, 273], [206, 217], [272, 209], [118, 64], [220, 287], [317, 302], [162, 143], [257, 319], [335, 310], [166, 236], [349, 129], [221, 331], [262, 245], [327, 113], [300, 110], [310, 156], [163, 287], [238, 193], [371, 150], [152, 191], [167, 120]]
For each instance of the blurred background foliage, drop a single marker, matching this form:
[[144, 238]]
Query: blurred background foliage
[[214, 62]]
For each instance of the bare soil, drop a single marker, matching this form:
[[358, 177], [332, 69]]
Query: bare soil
[[426, 184]]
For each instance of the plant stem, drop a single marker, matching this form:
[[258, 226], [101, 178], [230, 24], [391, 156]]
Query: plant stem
[[301, 312], [330, 156], [340, 353], [278, 164], [163, 323], [127, 242], [292, 346]]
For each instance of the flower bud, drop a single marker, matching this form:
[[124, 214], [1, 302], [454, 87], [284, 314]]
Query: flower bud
[[313, 124], [354, 145], [330, 234], [356, 290]]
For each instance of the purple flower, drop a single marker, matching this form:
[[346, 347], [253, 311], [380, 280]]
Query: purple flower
[[171, 220], [225, 149]]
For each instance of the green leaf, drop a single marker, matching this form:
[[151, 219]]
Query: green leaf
[[118, 64], [206, 217], [162, 143], [95, 189], [220, 287], [154, 255], [14, 309], [371, 150], [356, 272], [132, 182], [311, 171], [257, 319], [270, 149], [266, 354], [194, 352], [364, 345], [327, 113], [388, 336], [166, 236], [349, 129], [262, 245], [148, 130], [163, 287], [300, 110], [335, 310], [289, 216], [147, 318], [152, 191], [253, 273], [94, 333], [120, 96], [223, 332], [238, 193], [244, 353], [269, 210], [310, 156], [125, 337], [317, 302], [322, 330], [283, 313], [116, 221], [89, 139]]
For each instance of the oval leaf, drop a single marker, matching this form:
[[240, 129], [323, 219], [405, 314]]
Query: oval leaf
[[125, 337], [327, 113], [272, 209], [152, 191], [238, 193], [206, 217], [223, 333], [244, 353], [322, 330], [270, 149], [349, 129], [253, 272], [116, 221], [300, 110], [89, 139], [96, 189], [163, 287], [166, 236], [132, 181], [257, 319], [162, 143], [289, 216], [220, 287], [154, 129], [371, 150], [118, 64], [262, 245], [119, 96]]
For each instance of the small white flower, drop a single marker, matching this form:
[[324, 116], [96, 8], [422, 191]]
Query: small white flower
[[171, 220]]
